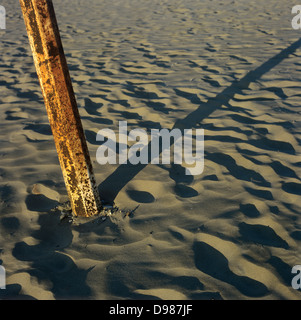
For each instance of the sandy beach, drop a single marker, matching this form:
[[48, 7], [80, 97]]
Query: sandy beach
[[233, 232]]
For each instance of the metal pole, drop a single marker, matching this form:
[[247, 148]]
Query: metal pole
[[53, 74]]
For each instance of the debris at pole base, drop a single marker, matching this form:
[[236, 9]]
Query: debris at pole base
[[68, 216], [108, 210]]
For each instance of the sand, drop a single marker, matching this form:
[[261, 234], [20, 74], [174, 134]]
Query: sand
[[233, 232]]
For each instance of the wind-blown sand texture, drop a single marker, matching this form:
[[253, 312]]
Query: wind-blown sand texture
[[232, 68]]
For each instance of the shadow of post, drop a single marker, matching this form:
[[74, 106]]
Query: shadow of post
[[112, 185]]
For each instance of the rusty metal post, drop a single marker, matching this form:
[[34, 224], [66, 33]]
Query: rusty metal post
[[53, 74]]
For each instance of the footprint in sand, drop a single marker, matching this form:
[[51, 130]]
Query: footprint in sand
[[185, 192], [177, 173], [249, 210], [283, 170], [16, 114], [42, 198], [40, 203], [292, 187], [264, 235], [212, 262], [10, 224], [141, 196]]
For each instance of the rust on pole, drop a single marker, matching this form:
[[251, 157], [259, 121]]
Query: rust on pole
[[61, 106]]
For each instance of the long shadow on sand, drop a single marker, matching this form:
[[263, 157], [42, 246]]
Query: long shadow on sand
[[112, 185]]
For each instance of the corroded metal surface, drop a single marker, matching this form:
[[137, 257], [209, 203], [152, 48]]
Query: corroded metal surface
[[61, 106]]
